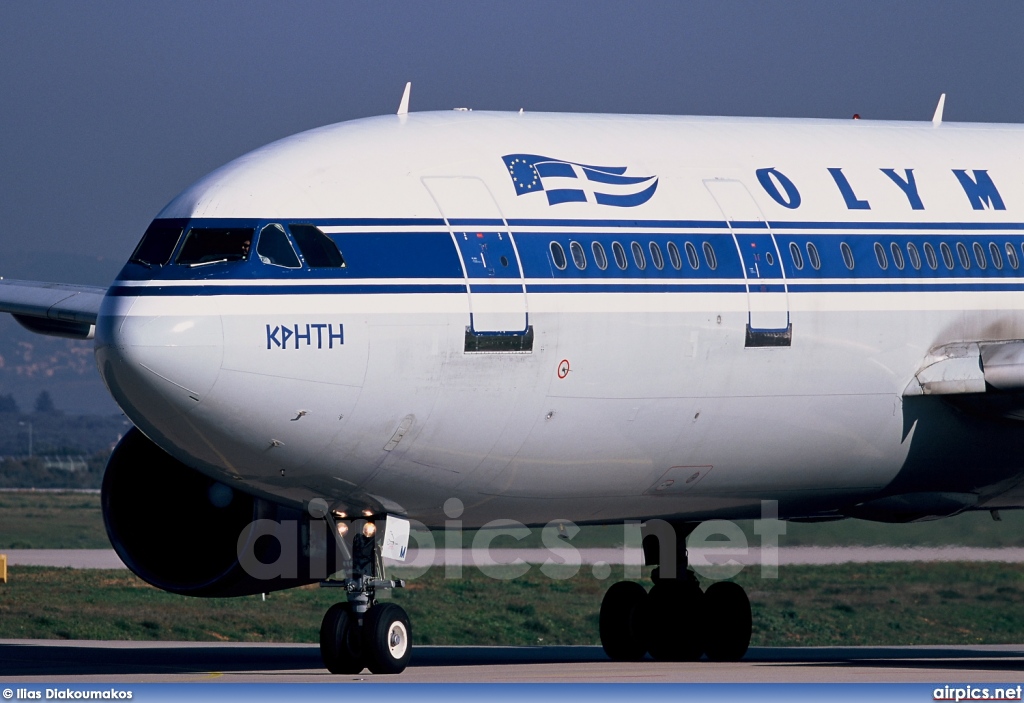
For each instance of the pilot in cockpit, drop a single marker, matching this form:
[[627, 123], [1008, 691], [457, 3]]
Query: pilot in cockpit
[[246, 245]]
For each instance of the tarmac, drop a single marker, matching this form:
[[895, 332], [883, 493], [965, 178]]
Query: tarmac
[[50, 661]]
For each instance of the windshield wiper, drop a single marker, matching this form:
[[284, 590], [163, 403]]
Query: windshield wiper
[[207, 263]]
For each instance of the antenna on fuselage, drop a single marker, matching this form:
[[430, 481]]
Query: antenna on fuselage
[[403, 107], [937, 117]]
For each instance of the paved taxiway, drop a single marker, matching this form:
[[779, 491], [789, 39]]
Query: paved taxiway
[[41, 661]]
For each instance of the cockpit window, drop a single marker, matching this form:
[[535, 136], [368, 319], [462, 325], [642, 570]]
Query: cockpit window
[[158, 243], [214, 245], [317, 248], [275, 249]]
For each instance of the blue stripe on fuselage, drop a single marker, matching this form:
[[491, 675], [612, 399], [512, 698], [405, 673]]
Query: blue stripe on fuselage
[[420, 257], [298, 289], [610, 287]]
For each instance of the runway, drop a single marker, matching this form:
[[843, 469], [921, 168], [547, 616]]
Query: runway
[[42, 661]]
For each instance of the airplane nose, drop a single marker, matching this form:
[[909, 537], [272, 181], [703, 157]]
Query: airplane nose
[[158, 365]]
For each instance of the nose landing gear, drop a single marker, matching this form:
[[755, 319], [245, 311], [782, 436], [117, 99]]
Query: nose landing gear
[[675, 621], [362, 633], [378, 639]]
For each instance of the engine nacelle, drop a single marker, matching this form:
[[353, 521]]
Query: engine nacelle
[[186, 533]]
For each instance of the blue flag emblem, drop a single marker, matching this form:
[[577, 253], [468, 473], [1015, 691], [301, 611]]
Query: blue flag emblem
[[571, 182]]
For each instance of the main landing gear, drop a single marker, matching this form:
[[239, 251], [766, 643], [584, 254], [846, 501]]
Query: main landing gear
[[363, 633], [675, 621]]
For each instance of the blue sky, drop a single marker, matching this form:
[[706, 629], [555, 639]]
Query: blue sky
[[109, 109]]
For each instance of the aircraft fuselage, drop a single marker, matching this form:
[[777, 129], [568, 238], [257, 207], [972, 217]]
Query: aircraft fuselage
[[674, 317]]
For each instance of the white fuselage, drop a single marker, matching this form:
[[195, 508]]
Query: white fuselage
[[641, 393]]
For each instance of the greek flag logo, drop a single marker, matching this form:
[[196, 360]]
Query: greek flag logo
[[571, 182]]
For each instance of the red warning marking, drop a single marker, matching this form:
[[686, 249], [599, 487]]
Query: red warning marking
[[563, 368]]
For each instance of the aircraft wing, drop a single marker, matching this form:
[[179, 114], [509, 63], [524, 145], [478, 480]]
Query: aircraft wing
[[55, 309]]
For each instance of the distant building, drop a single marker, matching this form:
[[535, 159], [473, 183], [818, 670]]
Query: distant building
[[66, 463]]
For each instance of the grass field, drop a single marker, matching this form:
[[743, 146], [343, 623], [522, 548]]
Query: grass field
[[882, 604], [51, 521], [73, 521], [848, 604]]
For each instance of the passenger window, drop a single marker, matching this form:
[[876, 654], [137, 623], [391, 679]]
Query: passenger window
[[847, 255], [979, 256], [947, 255], [215, 245], [797, 256], [997, 256], [897, 255], [709, 256], [691, 256], [158, 243], [620, 255], [673, 256], [275, 249], [578, 257], [929, 255], [319, 250], [965, 259], [915, 258], [883, 261], [812, 255], [656, 257], [558, 256], [600, 258], [1011, 256], [638, 255]]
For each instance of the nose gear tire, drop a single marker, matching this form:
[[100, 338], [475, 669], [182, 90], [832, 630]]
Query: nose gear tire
[[340, 643], [387, 643]]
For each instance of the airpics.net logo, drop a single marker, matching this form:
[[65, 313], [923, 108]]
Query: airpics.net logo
[[715, 549], [977, 693]]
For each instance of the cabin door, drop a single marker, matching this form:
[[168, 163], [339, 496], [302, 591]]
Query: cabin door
[[768, 322], [490, 261]]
